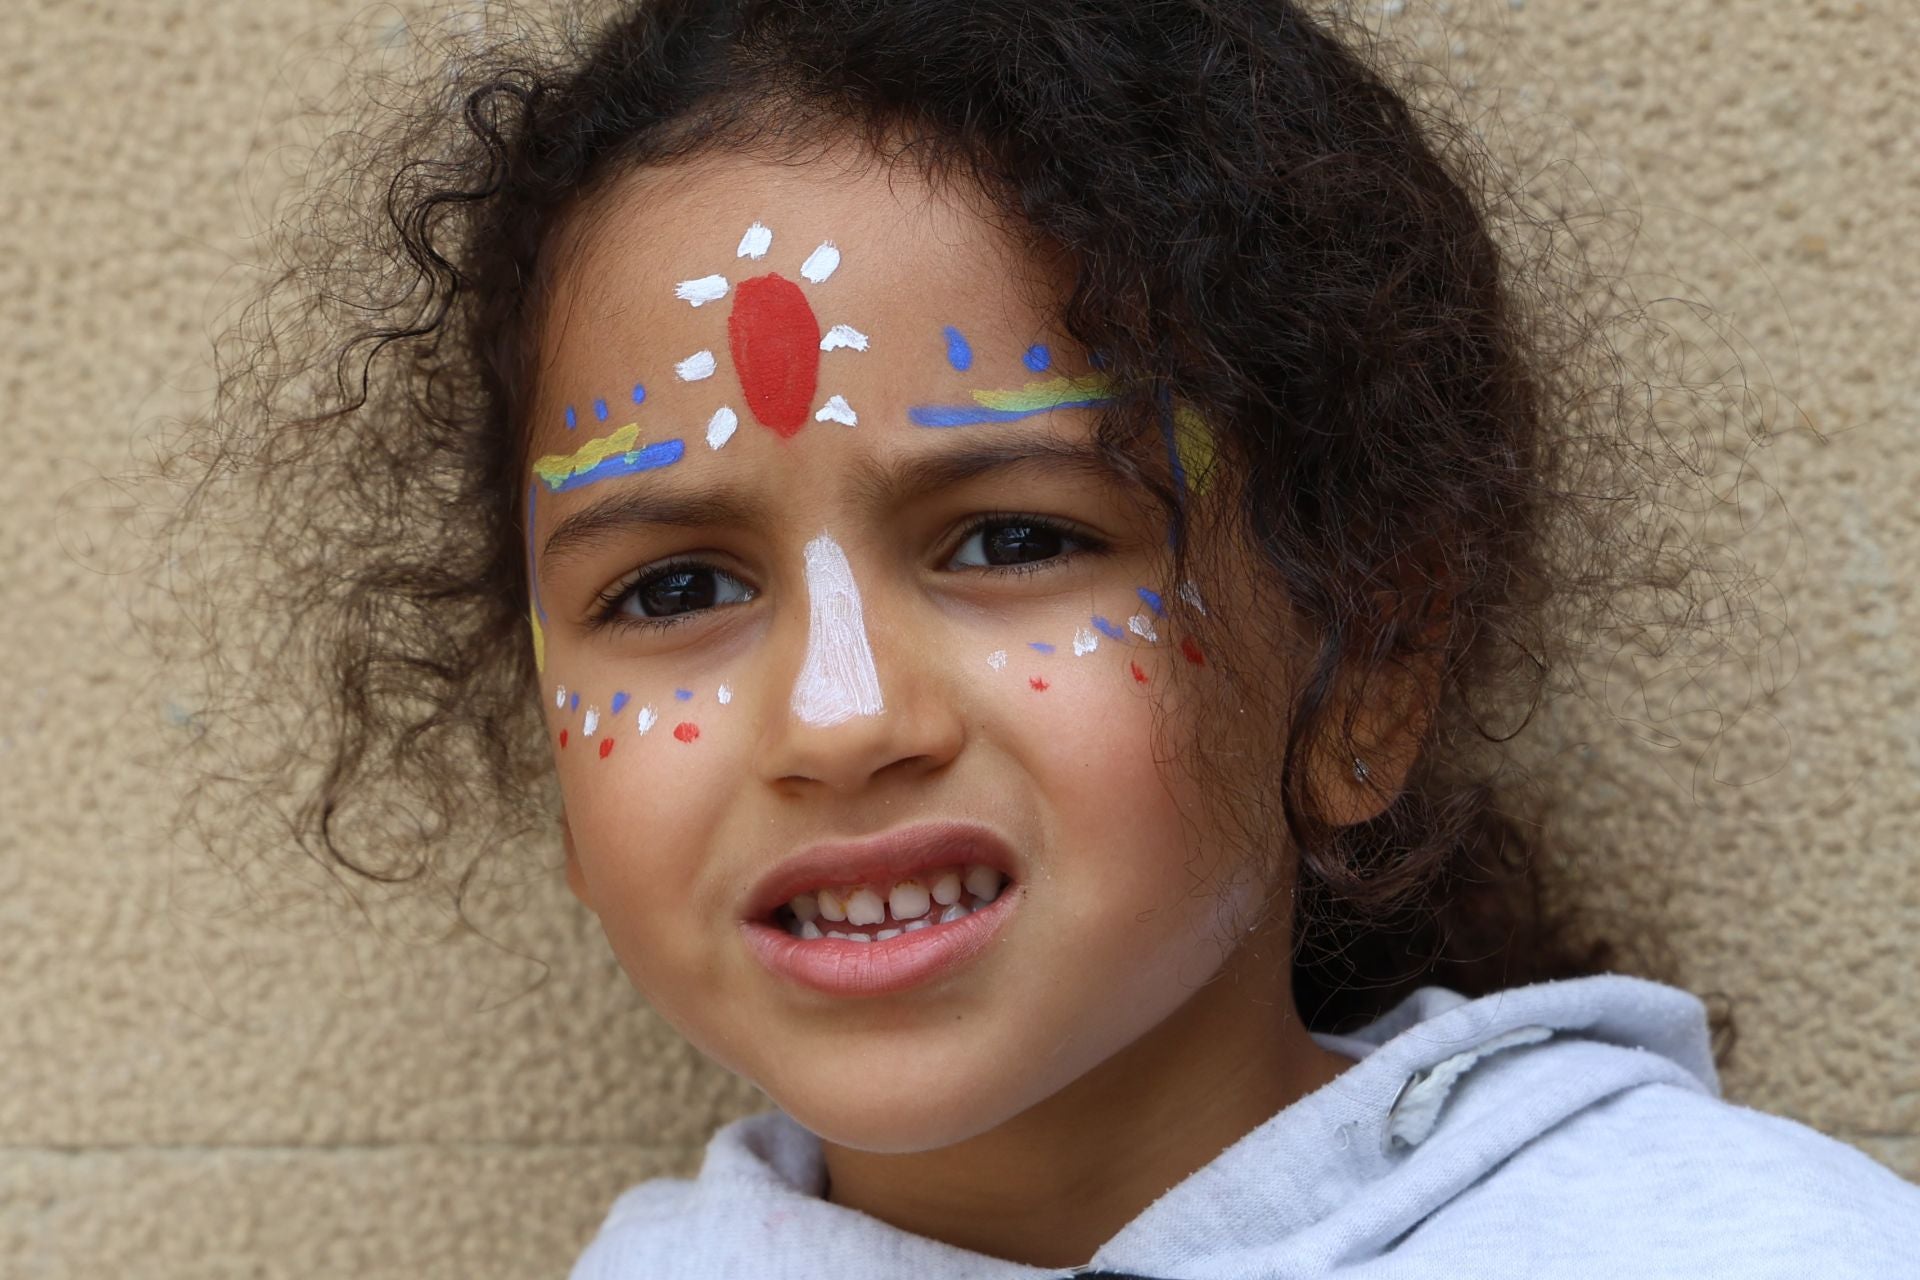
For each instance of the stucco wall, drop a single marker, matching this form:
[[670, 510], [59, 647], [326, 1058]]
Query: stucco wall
[[192, 1084]]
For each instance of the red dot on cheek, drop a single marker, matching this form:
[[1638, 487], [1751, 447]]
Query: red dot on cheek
[[563, 739], [1138, 674], [1039, 685], [686, 731], [1192, 651], [606, 747]]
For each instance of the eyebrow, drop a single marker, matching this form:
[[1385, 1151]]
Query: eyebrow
[[875, 484]]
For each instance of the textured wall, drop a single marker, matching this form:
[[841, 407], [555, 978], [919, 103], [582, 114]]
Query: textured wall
[[192, 1085]]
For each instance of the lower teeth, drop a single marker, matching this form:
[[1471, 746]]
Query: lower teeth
[[811, 930]]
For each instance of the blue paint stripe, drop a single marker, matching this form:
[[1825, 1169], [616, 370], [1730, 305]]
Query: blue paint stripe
[[1107, 629], [1153, 601], [619, 701], [573, 702], [639, 393], [967, 415], [1038, 358], [684, 695], [1040, 646], [572, 421], [662, 454], [600, 410]]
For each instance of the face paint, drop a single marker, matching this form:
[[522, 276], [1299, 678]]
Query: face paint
[[1108, 630], [1142, 626], [1037, 358], [645, 720], [836, 409], [1039, 646], [606, 747], [619, 701], [997, 659], [686, 731], [837, 679], [702, 291], [755, 243], [959, 353], [683, 695], [725, 694], [1084, 642], [605, 457], [1152, 600], [1089, 391], [1191, 594], [821, 263], [775, 339], [843, 335], [592, 722], [536, 615]]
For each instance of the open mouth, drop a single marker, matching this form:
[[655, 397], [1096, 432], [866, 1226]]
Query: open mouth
[[875, 913]]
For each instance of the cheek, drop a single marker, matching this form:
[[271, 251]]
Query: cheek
[[643, 776]]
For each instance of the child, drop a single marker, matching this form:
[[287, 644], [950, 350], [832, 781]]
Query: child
[[1007, 512]]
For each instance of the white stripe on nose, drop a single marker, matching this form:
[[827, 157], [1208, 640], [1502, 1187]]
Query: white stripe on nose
[[837, 681]]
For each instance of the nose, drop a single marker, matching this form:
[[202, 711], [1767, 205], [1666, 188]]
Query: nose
[[867, 698]]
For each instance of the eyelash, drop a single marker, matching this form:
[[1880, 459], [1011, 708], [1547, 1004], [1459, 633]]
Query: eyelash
[[608, 613]]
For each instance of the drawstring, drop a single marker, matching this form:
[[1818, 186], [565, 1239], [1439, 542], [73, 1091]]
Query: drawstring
[[1416, 1108]]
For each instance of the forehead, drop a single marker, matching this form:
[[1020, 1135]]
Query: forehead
[[768, 289]]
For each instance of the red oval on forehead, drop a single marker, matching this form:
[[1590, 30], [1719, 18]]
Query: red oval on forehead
[[775, 338]]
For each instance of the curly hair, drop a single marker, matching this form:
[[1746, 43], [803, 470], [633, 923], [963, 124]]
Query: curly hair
[[1258, 228]]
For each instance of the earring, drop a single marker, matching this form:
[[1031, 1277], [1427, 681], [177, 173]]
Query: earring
[[1360, 770]]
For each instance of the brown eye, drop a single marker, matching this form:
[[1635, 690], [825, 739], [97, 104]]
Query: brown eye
[[1006, 543], [680, 589]]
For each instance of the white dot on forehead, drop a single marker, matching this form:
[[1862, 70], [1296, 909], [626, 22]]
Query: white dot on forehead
[[695, 367], [705, 289], [821, 263], [755, 243]]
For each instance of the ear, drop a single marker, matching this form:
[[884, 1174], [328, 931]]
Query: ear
[[576, 880], [1392, 708]]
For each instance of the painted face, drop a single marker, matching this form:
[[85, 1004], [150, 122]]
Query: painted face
[[823, 555]]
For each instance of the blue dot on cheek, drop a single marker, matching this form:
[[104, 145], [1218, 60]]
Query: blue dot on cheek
[[959, 354], [1038, 358], [600, 410]]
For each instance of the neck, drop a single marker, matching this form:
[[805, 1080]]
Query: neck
[[1053, 1184]]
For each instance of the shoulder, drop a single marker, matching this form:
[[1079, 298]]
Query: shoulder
[[1667, 1180]]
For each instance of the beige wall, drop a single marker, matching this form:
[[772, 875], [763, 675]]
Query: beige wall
[[189, 1086]]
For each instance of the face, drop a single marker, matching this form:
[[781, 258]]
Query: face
[[822, 557]]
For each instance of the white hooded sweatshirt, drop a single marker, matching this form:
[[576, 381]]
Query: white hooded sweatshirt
[[1565, 1129]]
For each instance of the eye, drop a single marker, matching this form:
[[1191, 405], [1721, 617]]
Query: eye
[[1013, 542], [669, 592]]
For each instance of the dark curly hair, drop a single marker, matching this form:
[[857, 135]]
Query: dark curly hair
[[1257, 226]]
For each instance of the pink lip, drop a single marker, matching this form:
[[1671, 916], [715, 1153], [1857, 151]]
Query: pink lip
[[880, 861], [879, 968]]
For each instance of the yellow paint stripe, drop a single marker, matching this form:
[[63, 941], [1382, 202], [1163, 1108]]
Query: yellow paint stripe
[[557, 467], [1036, 396]]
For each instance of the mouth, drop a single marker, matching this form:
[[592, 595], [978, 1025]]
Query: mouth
[[885, 915], [869, 913]]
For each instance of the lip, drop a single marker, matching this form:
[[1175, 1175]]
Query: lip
[[867, 969], [883, 859]]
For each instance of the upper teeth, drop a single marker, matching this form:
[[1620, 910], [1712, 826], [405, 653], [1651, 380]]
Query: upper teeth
[[909, 899]]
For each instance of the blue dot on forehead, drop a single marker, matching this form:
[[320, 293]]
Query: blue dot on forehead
[[959, 354]]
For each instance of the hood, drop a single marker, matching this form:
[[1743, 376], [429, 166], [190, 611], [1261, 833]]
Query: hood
[[1444, 1089]]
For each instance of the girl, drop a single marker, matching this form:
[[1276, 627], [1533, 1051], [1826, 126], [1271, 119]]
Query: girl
[[1005, 521]]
